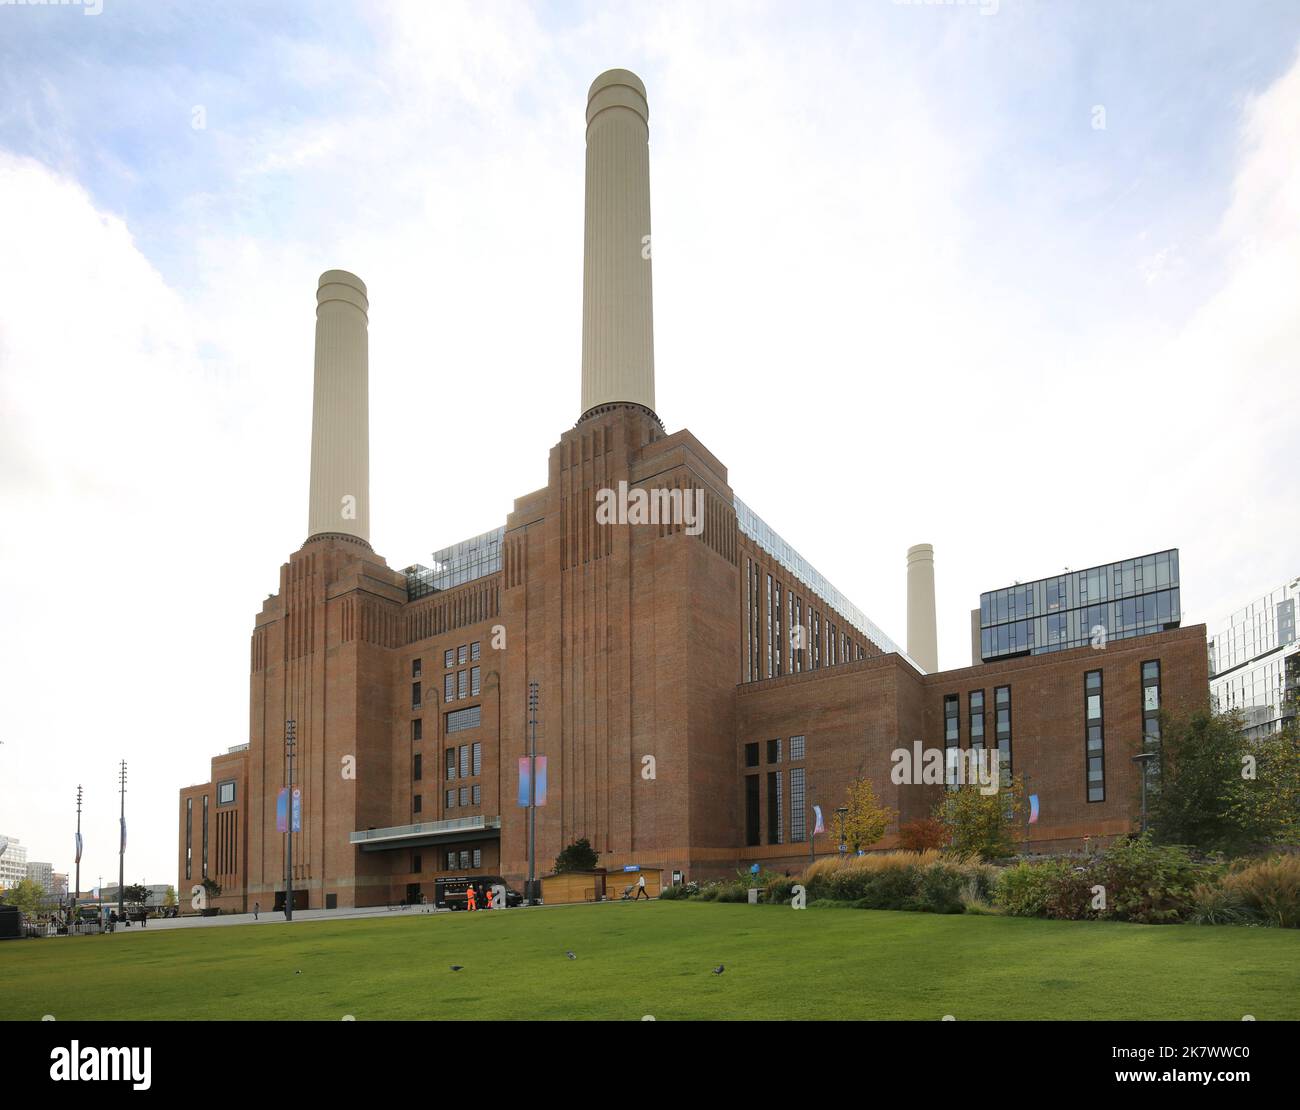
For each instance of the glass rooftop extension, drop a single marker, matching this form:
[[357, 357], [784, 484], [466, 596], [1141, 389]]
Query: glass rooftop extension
[[476, 557], [758, 530]]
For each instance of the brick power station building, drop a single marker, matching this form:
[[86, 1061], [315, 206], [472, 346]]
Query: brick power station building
[[701, 687]]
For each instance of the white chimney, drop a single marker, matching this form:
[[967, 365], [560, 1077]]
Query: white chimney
[[922, 633], [340, 415], [617, 331]]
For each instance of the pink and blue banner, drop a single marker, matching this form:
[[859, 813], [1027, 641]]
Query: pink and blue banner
[[524, 779]]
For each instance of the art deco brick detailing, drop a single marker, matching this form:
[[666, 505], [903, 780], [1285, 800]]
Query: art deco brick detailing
[[757, 687], [617, 331], [922, 630], [340, 424]]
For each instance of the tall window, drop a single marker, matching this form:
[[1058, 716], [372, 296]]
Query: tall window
[[802, 651], [774, 751], [415, 695], [751, 807], [464, 762], [205, 836], [451, 764], [776, 639], [476, 757], [798, 827], [774, 823], [770, 653], [462, 684], [475, 650], [451, 804], [751, 754], [417, 728], [977, 719], [417, 767], [449, 658], [189, 838], [416, 666], [473, 682], [951, 739], [449, 687], [1151, 701], [796, 749], [476, 796], [749, 624], [1002, 707], [1094, 739]]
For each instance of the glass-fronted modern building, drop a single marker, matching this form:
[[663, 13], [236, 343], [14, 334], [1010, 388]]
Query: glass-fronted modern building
[[1255, 661], [1132, 597]]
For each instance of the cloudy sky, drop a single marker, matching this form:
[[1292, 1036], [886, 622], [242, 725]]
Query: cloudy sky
[[1018, 283]]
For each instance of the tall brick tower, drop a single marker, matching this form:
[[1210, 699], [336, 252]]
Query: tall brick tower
[[322, 646]]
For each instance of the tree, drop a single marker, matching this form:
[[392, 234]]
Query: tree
[[212, 887], [27, 894], [1220, 791], [169, 898], [922, 834], [136, 895], [866, 819], [578, 856], [982, 824]]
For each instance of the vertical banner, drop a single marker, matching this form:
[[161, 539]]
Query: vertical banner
[[282, 810], [818, 827], [78, 860], [124, 834], [297, 810], [1033, 809], [541, 780]]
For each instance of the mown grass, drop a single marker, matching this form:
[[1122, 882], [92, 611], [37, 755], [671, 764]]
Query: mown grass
[[656, 959]]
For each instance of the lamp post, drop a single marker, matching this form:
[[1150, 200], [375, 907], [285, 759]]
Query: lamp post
[[121, 848], [290, 748], [1142, 759], [532, 793], [842, 812]]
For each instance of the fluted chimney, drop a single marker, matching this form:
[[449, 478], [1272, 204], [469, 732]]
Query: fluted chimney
[[340, 415], [617, 332], [922, 633]]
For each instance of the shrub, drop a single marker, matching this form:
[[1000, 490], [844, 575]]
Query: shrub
[[939, 886], [1148, 883], [780, 889], [1269, 888], [1069, 894], [1023, 890], [676, 893], [893, 888], [1213, 904], [917, 836]]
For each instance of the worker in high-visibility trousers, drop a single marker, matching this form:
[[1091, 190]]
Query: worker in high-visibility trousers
[[487, 898], [470, 902]]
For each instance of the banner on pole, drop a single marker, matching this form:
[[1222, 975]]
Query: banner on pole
[[297, 810], [524, 779], [124, 834], [282, 810], [818, 827], [78, 860]]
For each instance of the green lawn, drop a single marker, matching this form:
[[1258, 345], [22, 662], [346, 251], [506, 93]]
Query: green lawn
[[655, 958]]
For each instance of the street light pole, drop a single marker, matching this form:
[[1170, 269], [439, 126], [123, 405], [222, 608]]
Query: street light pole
[[121, 848], [290, 747], [1142, 759], [76, 889], [532, 793]]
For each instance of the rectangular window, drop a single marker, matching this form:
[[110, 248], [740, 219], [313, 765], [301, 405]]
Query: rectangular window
[[417, 864], [1151, 701], [774, 824], [205, 836], [796, 748], [462, 684], [774, 751], [226, 792], [749, 625], [464, 761], [415, 695], [477, 860], [798, 826], [417, 803], [776, 632], [476, 795], [189, 838], [951, 739], [751, 754], [449, 658], [416, 665], [461, 653], [449, 687], [751, 807], [451, 861], [475, 650], [1002, 709], [458, 720], [464, 859], [769, 652], [476, 757], [451, 764], [464, 795], [451, 799], [417, 728], [473, 682], [417, 768], [1094, 737], [976, 699]]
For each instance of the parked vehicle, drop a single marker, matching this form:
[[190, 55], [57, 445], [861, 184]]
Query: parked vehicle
[[452, 893]]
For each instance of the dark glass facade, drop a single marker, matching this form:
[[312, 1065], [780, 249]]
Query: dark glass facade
[[1133, 597]]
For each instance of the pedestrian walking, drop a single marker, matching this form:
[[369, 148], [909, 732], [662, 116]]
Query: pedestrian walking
[[640, 888], [257, 908]]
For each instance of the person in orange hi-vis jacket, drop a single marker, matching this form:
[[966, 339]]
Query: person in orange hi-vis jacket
[[470, 902]]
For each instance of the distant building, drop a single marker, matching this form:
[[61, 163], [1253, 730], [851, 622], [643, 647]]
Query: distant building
[[1255, 661], [1132, 597], [42, 873], [13, 861], [157, 893]]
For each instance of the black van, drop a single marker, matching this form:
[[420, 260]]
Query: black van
[[452, 893]]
